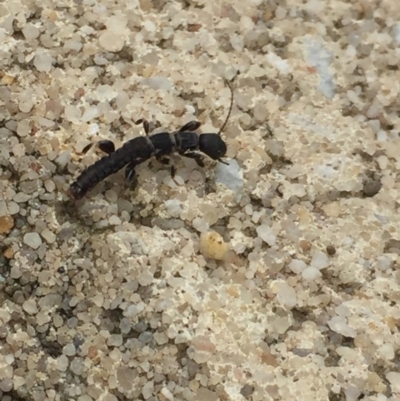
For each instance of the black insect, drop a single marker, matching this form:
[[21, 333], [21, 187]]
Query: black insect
[[137, 150]]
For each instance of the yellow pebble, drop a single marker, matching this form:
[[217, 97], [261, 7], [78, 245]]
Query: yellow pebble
[[212, 245]]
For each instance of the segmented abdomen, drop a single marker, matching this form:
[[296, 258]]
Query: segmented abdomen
[[136, 150], [96, 173]]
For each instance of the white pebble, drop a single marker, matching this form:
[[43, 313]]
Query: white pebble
[[133, 310], [19, 149], [394, 380], [33, 240], [320, 260], [386, 352], [105, 93], [266, 234], [43, 62], [338, 324], [287, 295], [174, 207], [63, 159], [72, 113], [230, 175], [311, 273], [297, 266], [30, 31], [69, 350], [90, 113], [200, 225]]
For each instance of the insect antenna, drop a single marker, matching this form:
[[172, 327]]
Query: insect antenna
[[230, 108]]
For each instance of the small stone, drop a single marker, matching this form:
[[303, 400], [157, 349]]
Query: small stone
[[320, 260], [287, 295], [77, 366], [114, 220], [330, 250], [157, 82], [266, 234], [33, 240], [297, 266], [90, 113], [394, 380], [72, 113], [62, 363], [69, 350], [352, 393], [115, 340], [9, 253], [30, 31], [212, 245], [48, 236], [134, 310], [371, 187], [111, 40], [23, 128], [43, 62], [147, 390], [6, 224], [30, 307], [200, 225], [247, 390], [311, 273], [174, 207], [42, 318], [230, 175], [305, 245], [20, 197], [386, 352], [63, 159], [98, 300], [6, 385], [339, 325], [7, 79]]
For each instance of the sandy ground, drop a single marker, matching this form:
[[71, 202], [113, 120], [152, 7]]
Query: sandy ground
[[124, 295]]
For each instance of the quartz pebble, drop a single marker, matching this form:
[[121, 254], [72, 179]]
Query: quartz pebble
[[30, 306], [266, 233], [320, 260], [33, 240], [297, 266], [287, 295], [230, 175], [48, 236], [43, 62], [339, 325]]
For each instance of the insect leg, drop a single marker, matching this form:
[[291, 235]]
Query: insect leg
[[195, 156], [167, 161], [190, 126], [130, 174], [146, 125], [106, 146]]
